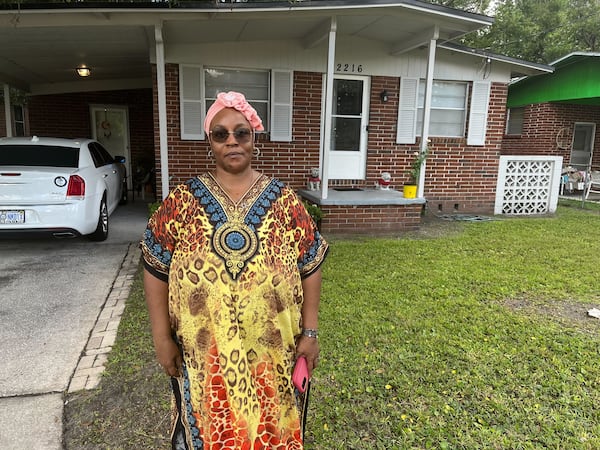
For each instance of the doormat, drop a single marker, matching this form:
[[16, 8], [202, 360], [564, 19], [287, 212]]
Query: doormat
[[465, 217], [347, 188]]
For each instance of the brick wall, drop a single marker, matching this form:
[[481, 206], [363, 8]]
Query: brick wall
[[68, 115], [541, 126], [370, 219], [289, 161], [459, 178]]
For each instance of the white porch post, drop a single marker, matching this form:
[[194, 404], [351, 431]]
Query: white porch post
[[328, 107], [7, 114], [162, 110], [427, 107]]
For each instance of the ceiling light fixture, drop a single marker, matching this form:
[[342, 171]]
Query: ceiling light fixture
[[83, 71]]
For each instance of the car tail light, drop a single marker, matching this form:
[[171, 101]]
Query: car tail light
[[76, 186]]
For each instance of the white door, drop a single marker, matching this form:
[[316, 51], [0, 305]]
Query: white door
[[347, 159], [110, 127], [583, 145]]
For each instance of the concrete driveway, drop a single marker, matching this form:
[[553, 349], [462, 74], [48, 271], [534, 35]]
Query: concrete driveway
[[51, 295]]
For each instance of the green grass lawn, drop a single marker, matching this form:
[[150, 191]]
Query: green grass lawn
[[475, 339]]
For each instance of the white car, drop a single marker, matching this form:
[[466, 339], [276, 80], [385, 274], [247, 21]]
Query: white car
[[65, 187]]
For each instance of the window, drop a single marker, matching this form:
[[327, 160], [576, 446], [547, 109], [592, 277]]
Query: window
[[514, 121], [254, 84], [19, 120], [39, 156], [100, 155], [269, 91], [448, 108]]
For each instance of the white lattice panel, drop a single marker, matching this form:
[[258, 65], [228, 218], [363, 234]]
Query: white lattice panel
[[528, 185]]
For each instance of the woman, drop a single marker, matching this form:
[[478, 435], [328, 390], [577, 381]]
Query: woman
[[232, 280]]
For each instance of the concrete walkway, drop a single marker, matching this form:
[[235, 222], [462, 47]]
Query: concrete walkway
[[91, 364], [62, 304]]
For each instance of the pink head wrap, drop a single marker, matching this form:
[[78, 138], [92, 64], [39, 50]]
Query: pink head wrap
[[236, 101]]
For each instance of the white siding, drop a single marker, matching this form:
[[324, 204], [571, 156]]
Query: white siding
[[374, 59]]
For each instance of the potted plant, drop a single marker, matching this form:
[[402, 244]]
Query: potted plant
[[410, 188]]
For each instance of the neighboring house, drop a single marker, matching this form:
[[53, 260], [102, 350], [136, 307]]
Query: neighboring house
[[557, 113], [353, 88]]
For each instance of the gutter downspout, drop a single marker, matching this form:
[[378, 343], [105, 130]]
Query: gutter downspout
[[162, 110], [427, 106], [7, 114], [328, 107]]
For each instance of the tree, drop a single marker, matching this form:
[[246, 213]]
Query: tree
[[474, 6], [582, 23], [541, 30]]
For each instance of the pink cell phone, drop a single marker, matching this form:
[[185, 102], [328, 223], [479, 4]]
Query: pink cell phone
[[300, 375]]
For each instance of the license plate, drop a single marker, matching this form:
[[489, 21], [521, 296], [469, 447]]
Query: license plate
[[12, 216]]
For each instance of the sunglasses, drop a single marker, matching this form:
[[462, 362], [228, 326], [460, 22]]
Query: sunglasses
[[242, 135]]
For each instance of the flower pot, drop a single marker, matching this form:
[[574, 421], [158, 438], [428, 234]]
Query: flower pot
[[410, 191]]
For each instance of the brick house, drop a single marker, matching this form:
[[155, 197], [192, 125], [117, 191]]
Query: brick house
[[395, 80], [557, 113]]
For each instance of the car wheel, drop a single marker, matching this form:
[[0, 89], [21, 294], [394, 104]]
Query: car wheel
[[101, 232]]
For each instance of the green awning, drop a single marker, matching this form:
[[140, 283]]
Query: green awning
[[576, 80]]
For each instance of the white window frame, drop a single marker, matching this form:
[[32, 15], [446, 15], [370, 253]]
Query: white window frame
[[420, 107], [194, 102], [478, 114], [241, 87]]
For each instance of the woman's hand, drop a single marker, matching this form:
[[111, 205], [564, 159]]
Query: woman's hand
[[168, 356], [157, 299], [309, 348]]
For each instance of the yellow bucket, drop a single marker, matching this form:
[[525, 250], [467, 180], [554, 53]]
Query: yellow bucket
[[410, 191]]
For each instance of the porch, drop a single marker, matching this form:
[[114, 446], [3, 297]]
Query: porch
[[366, 210]]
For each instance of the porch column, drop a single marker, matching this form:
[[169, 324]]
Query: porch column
[[328, 106], [7, 112], [427, 106], [162, 110]]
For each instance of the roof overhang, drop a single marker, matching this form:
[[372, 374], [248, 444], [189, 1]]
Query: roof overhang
[[519, 68], [43, 45], [574, 81], [574, 57]]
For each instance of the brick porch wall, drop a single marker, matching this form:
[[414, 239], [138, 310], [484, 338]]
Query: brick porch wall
[[541, 124], [370, 219]]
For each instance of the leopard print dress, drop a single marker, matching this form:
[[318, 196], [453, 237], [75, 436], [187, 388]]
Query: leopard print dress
[[235, 297]]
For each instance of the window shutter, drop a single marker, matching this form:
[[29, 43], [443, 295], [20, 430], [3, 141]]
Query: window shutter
[[190, 102], [407, 111], [281, 105], [478, 114]]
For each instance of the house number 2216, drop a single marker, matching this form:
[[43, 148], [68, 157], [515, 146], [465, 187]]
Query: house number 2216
[[352, 68]]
